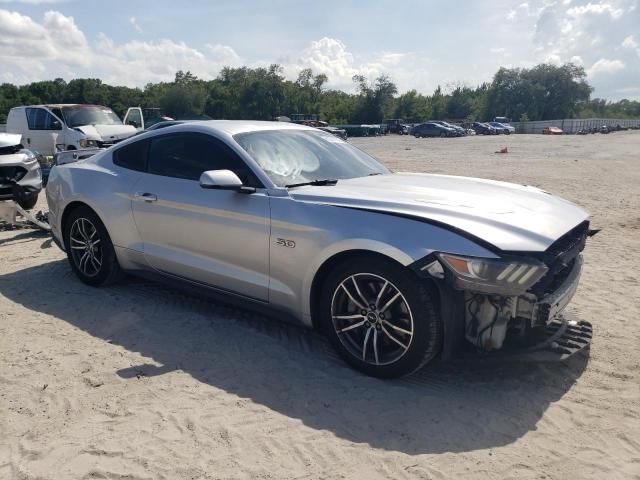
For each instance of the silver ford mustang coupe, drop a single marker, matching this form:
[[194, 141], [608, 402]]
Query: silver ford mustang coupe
[[397, 269]]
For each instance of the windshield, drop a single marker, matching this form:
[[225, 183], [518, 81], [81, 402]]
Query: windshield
[[298, 156], [80, 115]]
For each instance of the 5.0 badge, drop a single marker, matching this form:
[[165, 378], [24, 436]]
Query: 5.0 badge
[[283, 242]]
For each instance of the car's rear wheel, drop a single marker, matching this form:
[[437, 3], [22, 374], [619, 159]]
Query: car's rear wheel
[[442, 135], [380, 318], [89, 248]]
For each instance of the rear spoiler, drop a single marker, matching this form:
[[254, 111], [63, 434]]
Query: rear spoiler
[[71, 156]]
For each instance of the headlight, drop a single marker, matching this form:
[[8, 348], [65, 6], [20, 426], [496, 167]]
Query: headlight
[[501, 276], [85, 143]]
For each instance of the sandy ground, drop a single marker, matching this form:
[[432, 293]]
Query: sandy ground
[[137, 381]]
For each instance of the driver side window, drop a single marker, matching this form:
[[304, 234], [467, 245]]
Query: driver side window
[[188, 155], [40, 119]]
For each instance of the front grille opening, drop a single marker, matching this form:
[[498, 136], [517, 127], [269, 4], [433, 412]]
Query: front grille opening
[[13, 173], [560, 258]]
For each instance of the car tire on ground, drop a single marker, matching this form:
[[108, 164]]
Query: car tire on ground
[[442, 135], [89, 248], [380, 317]]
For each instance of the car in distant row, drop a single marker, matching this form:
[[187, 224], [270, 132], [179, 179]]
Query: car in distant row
[[432, 129], [482, 128], [338, 132], [552, 131], [396, 125], [457, 128], [503, 128]]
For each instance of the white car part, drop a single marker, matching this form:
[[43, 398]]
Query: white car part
[[10, 210]]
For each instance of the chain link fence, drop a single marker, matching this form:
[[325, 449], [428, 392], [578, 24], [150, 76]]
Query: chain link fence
[[574, 125]]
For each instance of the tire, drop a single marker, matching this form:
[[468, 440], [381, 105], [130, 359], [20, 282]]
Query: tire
[[442, 135], [101, 266], [29, 202], [396, 337]]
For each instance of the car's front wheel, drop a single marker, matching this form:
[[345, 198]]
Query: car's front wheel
[[380, 318], [89, 248]]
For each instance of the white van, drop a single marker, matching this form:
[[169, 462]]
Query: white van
[[48, 129]]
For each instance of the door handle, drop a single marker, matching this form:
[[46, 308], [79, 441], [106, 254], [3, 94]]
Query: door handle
[[147, 197]]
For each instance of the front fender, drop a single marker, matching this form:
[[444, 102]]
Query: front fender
[[305, 235]]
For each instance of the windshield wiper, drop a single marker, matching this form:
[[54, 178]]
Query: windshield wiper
[[316, 183]]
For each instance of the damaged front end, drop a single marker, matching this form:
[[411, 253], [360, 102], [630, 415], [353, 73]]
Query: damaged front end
[[515, 302]]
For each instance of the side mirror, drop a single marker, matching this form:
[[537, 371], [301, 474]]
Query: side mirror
[[133, 123], [56, 125], [223, 180]]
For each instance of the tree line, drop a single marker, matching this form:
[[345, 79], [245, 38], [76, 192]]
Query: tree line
[[542, 92]]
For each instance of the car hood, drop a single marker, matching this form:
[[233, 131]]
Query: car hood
[[511, 217], [9, 139], [107, 133]]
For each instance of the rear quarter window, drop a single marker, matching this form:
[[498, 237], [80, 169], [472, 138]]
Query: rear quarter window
[[132, 156]]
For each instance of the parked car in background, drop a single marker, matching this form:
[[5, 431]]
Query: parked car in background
[[502, 128], [47, 129], [396, 125], [461, 131], [430, 129], [18, 166], [338, 132], [604, 129], [552, 131], [395, 268], [483, 128], [502, 120]]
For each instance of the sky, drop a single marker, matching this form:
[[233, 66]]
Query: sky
[[419, 44]]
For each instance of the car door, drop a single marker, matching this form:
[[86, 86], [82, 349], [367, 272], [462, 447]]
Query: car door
[[219, 238], [430, 130], [44, 130], [134, 118]]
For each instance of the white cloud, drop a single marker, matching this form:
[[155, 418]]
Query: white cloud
[[595, 8], [56, 39], [330, 56], [629, 42], [577, 60], [600, 34], [134, 23], [521, 11], [137, 62], [605, 66]]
